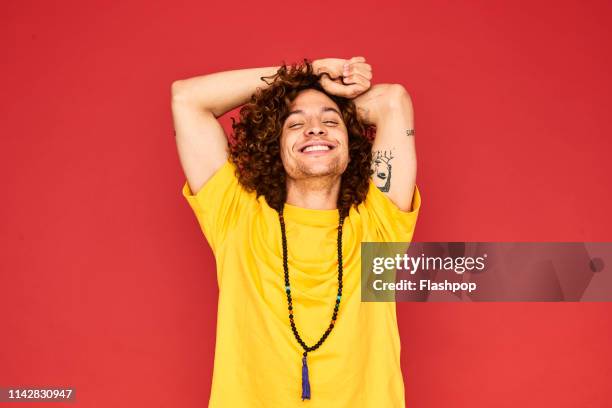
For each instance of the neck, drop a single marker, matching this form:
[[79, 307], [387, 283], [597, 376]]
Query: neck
[[317, 193]]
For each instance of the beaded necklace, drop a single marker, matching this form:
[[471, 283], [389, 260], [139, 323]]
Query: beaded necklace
[[307, 349]]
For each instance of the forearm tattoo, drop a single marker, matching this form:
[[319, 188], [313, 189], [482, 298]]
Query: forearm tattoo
[[381, 165], [409, 132]]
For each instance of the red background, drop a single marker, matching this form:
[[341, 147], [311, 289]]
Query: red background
[[107, 284]]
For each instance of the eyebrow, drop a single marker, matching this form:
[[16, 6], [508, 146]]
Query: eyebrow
[[324, 109]]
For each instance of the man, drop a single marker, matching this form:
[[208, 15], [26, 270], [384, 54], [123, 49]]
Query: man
[[284, 207]]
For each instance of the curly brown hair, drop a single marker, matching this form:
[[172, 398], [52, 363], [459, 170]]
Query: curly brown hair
[[255, 148]]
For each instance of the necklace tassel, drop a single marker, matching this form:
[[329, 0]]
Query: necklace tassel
[[305, 380]]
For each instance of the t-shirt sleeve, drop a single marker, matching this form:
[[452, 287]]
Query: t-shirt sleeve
[[389, 223], [219, 204]]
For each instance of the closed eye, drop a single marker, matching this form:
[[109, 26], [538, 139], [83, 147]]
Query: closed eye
[[295, 125]]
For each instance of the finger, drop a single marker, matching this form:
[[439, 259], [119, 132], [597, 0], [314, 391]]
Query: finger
[[335, 88], [357, 79], [362, 66], [347, 91], [361, 70], [332, 66], [354, 90], [339, 68], [334, 72], [357, 59]]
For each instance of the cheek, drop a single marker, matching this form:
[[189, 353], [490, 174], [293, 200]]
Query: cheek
[[343, 138], [343, 135], [283, 141], [286, 142]]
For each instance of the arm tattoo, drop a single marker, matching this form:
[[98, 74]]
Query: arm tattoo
[[381, 166], [409, 132]]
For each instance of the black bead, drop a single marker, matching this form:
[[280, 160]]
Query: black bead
[[288, 291]]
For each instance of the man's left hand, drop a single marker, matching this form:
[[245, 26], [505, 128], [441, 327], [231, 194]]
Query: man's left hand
[[347, 78]]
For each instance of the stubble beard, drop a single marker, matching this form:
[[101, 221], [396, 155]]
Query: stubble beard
[[316, 171]]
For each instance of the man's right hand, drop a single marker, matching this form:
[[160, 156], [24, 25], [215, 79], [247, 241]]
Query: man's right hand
[[347, 78]]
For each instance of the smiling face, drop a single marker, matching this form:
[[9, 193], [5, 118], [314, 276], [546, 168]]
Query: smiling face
[[314, 140]]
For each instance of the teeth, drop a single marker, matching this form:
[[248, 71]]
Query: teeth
[[316, 147]]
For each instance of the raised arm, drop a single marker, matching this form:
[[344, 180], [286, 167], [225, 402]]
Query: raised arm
[[389, 108], [196, 104]]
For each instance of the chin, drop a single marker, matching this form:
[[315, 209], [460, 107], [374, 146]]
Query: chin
[[321, 169], [316, 172]]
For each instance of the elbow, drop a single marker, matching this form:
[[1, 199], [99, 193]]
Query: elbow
[[174, 87], [397, 98], [177, 90]]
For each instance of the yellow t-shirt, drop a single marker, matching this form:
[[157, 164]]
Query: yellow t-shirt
[[257, 358]]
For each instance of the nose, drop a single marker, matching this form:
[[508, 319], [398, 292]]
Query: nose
[[315, 130]]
